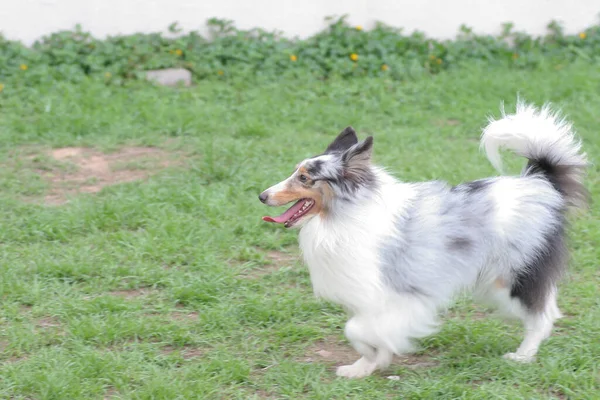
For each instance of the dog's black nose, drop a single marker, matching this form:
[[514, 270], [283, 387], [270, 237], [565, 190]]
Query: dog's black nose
[[263, 197]]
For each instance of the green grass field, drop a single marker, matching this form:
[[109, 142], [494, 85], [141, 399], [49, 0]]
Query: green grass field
[[165, 284]]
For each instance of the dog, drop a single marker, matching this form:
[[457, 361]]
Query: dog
[[394, 254]]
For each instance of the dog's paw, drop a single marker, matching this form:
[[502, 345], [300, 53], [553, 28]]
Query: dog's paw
[[353, 371], [522, 358]]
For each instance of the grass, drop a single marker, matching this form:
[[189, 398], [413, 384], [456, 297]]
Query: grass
[[171, 287]]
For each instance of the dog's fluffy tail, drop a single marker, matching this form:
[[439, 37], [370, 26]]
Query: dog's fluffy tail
[[547, 141]]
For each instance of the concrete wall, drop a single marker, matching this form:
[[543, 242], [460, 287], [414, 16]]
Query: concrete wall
[[28, 20]]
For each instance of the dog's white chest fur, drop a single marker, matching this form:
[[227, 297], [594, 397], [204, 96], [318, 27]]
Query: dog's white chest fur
[[343, 267], [342, 252]]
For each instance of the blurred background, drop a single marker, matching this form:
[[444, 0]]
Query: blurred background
[[28, 20]]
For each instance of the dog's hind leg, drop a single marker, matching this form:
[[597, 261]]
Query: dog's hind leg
[[534, 287], [538, 320], [538, 326], [528, 290]]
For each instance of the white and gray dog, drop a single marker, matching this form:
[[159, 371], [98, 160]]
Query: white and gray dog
[[395, 253]]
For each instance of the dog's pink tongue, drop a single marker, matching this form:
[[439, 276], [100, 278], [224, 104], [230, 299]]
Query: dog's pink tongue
[[286, 215]]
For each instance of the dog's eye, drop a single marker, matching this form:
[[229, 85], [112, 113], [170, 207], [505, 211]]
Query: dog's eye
[[303, 178]]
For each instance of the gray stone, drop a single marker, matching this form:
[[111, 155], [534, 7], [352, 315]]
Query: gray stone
[[170, 76]]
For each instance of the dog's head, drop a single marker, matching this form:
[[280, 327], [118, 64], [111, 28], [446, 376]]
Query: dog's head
[[343, 169]]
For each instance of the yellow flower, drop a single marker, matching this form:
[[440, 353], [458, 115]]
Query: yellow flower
[[1, 87], [439, 61], [107, 75], [179, 52], [432, 57], [359, 28], [23, 67], [294, 58], [582, 35], [354, 57], [220, 72], [515, 56], [384, 67]]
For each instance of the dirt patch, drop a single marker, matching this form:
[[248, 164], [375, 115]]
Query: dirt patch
[[111, 393], [472, 311], [276, 260], [415, 361], [129, 293], [447, 122], [47, 323], [555, 394], [283, 258], [339, 353], [474, 315], [25, 309], [73, 170], [263, 394], [187, 352], [330, 351], [16, 359], [184, 316], [50, 326]]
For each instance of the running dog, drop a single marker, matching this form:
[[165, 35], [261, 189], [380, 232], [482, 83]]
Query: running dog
[[394, 254]]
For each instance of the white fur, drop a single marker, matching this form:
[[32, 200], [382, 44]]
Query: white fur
[[530, 133], [351, 241]]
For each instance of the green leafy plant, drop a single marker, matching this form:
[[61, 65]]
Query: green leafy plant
[[340, 50]]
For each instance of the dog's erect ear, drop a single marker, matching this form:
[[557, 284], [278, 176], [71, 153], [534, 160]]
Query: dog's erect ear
[[359, 153], [346, 139], [357, 164]]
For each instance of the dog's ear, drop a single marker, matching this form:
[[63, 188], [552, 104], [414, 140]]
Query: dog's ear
[[360, 153], [346, 139], [357, 163]]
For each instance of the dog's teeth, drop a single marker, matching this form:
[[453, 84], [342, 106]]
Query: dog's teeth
[[306, 205]]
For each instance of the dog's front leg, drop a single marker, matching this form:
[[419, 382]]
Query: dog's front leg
[[365, 366], [373, 358]]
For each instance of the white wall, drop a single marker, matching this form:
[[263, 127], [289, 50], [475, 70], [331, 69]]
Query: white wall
[[27, 20]]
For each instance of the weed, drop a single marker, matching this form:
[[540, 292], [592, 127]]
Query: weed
[[338, 51]]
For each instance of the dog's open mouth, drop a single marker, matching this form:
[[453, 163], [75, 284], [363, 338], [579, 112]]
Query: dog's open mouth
[[292, 214]]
